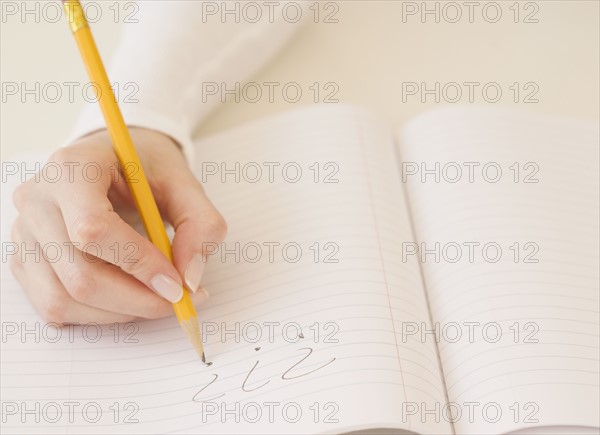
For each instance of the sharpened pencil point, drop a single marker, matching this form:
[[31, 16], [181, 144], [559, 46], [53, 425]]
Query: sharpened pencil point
[[192, 330]]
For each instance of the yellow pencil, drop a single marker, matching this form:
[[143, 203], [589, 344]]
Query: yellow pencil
[[129, 161]]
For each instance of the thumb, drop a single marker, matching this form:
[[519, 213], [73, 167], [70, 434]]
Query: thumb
[[197, 223]]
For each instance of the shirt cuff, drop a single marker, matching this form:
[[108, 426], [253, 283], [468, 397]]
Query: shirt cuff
[[91, 120]]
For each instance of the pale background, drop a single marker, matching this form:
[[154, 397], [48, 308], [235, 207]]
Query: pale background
[[369, 53]]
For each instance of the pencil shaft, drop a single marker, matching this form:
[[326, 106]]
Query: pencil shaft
[[129, 160]]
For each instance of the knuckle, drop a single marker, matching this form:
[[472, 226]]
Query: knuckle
[[139, 264], [216, 226], [89, 227], [15, 259], [53, 309], [15, 231], [21, 196], [15, 265], [80, 285]]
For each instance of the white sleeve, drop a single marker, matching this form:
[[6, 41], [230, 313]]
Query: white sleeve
[[177, 47]]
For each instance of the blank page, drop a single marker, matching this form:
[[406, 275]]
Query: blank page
[[529, 214], [308, 299]]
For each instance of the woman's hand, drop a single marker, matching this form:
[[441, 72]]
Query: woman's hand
[[106, 271]]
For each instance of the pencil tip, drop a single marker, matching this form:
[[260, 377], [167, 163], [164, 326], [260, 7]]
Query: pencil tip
[[192, 330]]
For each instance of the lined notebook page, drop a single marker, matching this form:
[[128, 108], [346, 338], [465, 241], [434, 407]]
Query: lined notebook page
[[540, 295], [330, 355]]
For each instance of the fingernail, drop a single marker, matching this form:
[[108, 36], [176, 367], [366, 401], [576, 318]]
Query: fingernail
[[167, 288], [194, 272]]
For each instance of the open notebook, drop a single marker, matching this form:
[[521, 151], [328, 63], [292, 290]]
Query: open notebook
[[329, 329]]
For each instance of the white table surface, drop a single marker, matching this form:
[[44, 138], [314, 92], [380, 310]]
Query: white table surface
[[369, 53]]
